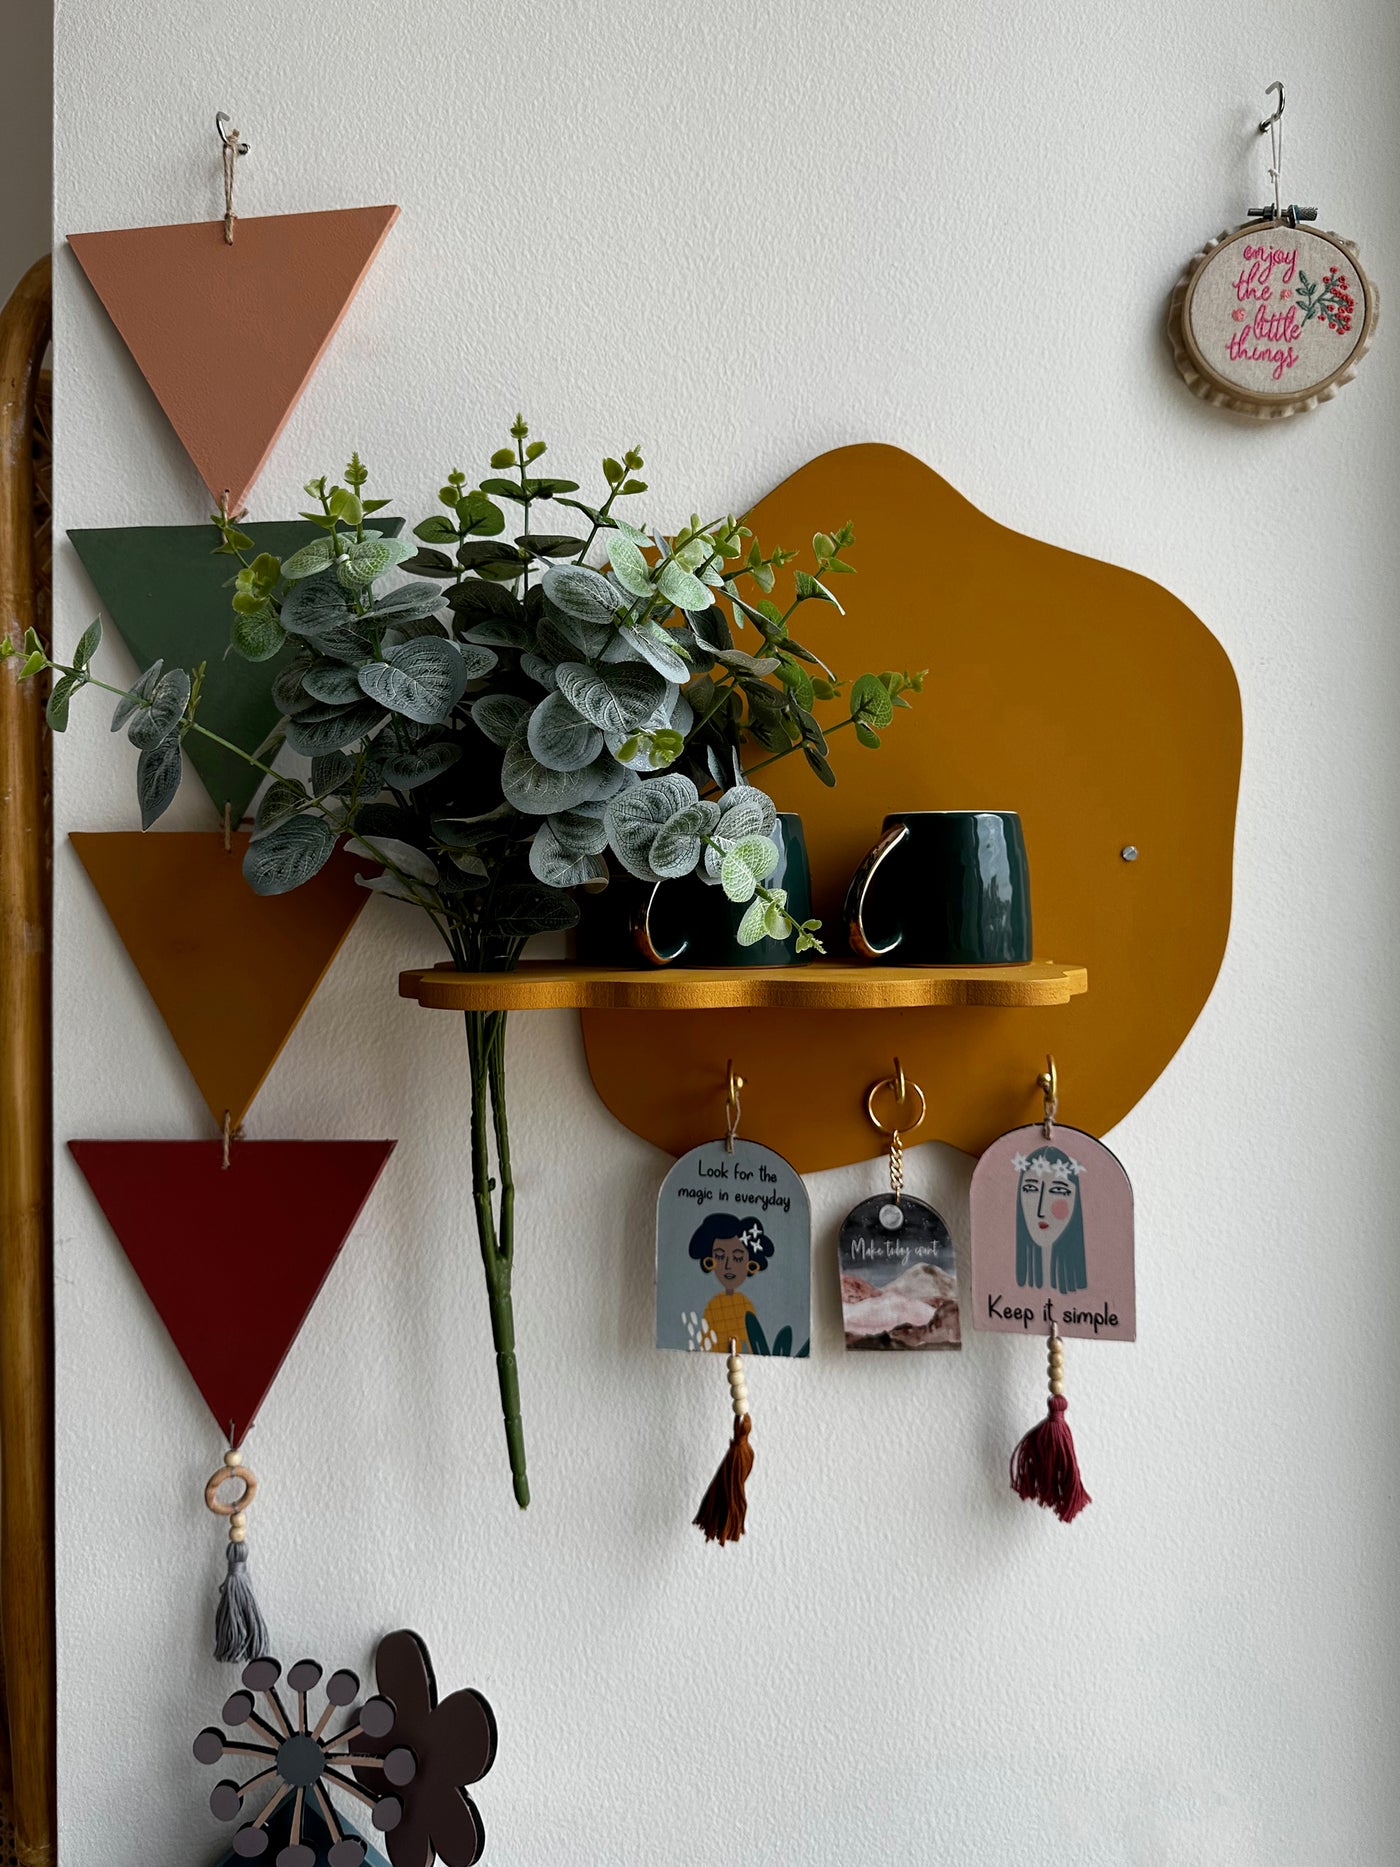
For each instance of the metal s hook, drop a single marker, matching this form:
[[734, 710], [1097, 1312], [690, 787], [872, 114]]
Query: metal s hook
[[1048, 1083], [1277, 85], [228, 136], [731, 1108]]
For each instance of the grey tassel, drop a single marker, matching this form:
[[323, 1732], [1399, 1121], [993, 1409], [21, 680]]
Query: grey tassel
[[240, 1632]]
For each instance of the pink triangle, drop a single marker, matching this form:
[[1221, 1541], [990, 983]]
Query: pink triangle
[[233, 1258], [229, 336]]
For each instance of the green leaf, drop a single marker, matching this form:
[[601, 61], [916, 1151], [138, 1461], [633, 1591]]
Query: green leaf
[[409, 602], [525, 908], [560, 737], [333, 683], [158, 773], [808, 587], [260, 636], [56, 708], [430, 564], [290, 854], [370, 558], [798, 683], [819, 765], [617, 698], [503, 457], [317, 556], [345, 506], [582, 593], [678, 586], [423, 679], [653, 644], [751, 928], [550, 544], [331, 729], [436, 530], [867, 735], [479, 515], [393, 853], [561, 868], [87, 643], [751, 860], [870, 700], [538, 790], [677, 847], [154, 724], [580, 832], [281, 799], [629, 566], [140, 689], [501, 717], [636, 817]]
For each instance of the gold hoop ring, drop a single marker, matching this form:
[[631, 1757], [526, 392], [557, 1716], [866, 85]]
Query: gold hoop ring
[[903, 1089]]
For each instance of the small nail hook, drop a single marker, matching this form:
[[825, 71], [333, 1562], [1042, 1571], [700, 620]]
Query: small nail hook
[[1277, 85], [223, 122]]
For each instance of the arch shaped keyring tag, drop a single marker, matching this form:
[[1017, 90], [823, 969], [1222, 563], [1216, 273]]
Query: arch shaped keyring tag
[[733, 1276], [1052, 1256], [899, 1277]]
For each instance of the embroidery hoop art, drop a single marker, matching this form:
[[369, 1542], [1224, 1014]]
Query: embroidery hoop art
[[1204, 380]]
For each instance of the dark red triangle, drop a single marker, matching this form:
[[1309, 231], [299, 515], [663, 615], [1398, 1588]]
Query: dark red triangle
[[233, 1258]]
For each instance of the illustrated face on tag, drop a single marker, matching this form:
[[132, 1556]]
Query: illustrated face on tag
[[1052, 1237], [899, 1276], [733, 1253]]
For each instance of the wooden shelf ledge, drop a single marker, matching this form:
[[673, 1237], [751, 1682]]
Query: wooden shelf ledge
[[823, 985]]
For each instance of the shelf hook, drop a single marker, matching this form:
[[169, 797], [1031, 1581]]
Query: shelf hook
[[1048, 1083], [731, 1108]]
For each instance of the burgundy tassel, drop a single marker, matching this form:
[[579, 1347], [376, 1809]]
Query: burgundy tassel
[[721, 1514], [1044, 1466]]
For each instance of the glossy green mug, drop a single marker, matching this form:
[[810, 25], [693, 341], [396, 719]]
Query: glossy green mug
[[690, 922], [943, 888]]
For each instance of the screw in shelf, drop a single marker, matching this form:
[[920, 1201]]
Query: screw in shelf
[[1129, 852]]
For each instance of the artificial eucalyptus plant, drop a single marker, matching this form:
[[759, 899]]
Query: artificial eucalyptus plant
[[493, 734]]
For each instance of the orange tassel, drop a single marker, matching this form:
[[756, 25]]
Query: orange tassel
[[721, 1514]]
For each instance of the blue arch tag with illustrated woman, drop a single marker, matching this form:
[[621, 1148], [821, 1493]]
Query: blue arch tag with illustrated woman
[[733, 1253]]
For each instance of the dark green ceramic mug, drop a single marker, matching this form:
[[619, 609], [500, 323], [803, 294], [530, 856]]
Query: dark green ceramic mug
[[943, 888], [690, 922]]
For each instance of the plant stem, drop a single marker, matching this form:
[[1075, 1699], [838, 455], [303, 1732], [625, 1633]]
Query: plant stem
[[486, 1053], [773, 758]]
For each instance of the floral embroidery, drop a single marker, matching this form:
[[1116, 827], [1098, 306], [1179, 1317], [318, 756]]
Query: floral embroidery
[[1329, 298]]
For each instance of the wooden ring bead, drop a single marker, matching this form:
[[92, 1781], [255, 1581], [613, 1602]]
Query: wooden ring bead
[[212, 1499]]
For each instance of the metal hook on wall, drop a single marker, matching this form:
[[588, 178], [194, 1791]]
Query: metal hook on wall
[[1273, 123], [731, 1108]]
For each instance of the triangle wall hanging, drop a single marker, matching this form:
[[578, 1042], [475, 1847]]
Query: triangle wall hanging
[[267, 1218], [168, 595], [231, 972], [227, 335]]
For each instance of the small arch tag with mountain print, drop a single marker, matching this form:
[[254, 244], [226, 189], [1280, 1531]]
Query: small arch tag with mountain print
[[733, 1253], [1052, 1237], [899, 1276]]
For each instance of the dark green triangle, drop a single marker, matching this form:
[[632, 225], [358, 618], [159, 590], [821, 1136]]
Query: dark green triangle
[[167, 594]]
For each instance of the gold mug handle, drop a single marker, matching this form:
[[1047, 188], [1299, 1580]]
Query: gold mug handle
[[860, 885], [643, 937]]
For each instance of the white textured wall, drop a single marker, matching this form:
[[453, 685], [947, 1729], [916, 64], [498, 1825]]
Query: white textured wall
[[953, 227]]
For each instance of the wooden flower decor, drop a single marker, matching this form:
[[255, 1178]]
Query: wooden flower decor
[[406, 1758]]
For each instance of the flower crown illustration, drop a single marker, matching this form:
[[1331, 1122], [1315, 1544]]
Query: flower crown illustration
[[1041, 1163]]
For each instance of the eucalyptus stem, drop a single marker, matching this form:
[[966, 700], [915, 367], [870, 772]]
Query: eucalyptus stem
[[496, 1231]]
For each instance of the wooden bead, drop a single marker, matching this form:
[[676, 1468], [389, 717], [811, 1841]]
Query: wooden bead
[[239, 1520], [1058, 1388], [233, 1457], [238, 1536]]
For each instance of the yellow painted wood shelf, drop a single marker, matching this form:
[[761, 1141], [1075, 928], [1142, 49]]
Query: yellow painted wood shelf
[[821, 985]]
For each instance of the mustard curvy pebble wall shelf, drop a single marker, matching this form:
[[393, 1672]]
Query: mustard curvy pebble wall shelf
[[822, 985]]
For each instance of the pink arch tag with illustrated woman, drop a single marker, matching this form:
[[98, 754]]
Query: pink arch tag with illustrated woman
[[1052, 1256], [1052, 1237]]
